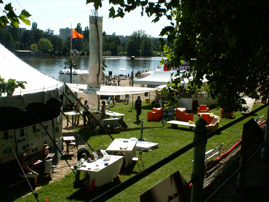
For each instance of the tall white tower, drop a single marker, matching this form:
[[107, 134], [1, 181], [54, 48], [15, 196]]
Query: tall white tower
[[96, 50], [96, 55]]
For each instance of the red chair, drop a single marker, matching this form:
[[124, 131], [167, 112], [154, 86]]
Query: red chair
[[226, 115], [202, 109], [155, 115], [180, 114], [207, 118], [188, 117]]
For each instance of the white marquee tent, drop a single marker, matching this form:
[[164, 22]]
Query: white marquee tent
[[161, 78], [156, 78], [11, 67], [111, 90]]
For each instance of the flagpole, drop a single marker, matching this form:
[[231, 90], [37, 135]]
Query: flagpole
[[71, 42]]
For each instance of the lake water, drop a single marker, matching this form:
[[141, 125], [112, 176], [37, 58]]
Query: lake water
[[52, 65]]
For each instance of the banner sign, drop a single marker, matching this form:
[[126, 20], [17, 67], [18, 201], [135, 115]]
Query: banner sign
[[91, 89], [7, 139]]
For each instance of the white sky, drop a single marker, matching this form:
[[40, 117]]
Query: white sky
[[56, 14]]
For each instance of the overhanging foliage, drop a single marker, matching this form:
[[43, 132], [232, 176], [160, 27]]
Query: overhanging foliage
[[226, 41]]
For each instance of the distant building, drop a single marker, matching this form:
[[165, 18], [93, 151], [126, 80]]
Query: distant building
[[65, 33], [21, 30]]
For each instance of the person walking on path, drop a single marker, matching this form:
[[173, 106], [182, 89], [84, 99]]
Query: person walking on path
[[118, 80], [138, 104]]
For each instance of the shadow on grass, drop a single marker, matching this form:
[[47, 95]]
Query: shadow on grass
[[128, 170], [20, 189], [180, 128], [84, 195], [137, 122]]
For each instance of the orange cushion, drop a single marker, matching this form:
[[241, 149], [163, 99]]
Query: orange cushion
[[207, 118], [202, 107]]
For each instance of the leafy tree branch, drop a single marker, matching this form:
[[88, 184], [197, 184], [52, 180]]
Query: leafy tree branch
[[11, 18]]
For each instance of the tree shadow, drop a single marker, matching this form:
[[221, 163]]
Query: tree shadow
[[84, 195], [21, 188]]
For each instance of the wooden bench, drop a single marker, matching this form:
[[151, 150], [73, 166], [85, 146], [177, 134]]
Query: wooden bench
[[212, 152]]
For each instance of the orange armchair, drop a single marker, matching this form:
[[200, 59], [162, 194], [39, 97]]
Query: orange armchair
[[202, 109], [188, 117], [155, 115], [226, 115], [182, 116], [207, 118]]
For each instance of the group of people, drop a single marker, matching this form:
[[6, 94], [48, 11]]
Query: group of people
[[109, 82], [85, 111], [26, 171], [86, 114]]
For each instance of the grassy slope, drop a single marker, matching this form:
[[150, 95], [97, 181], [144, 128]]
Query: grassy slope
[[170, 140]]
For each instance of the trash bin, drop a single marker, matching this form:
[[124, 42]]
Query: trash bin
[[147, 100]]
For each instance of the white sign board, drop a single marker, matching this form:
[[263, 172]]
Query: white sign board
[[91, 89]]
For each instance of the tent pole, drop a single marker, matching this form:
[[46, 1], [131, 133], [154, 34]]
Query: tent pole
[[23, 171], [97, 122], [74, 127], [48, 134]]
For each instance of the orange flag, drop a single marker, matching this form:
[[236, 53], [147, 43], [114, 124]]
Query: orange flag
[[75, 34]]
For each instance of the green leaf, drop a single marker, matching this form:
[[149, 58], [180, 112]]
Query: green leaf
[[25, 13], [111, 12], [96, 3], [8, 7], [232, 42], [3, 21]]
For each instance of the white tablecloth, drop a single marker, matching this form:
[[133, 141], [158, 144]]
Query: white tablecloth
[[101, 173], [114, 114], [124, 145]]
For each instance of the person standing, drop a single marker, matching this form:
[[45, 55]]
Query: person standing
[[138, 104], [85, 112], [78, 107], [103, 110], [118, 80]]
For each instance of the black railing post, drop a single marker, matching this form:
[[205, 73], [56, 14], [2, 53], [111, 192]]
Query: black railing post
[[200, 132], [265, 149]]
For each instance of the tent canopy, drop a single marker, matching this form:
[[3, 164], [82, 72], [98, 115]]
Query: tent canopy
[[162, 78], [156, 78], [111, 90], [39, 87]]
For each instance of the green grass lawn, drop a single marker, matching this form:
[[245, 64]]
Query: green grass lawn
[[170, 140]]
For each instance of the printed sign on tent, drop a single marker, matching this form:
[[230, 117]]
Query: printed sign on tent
[[44, 136], [35, 138], [23, 142], [6, 153], [91, 89]]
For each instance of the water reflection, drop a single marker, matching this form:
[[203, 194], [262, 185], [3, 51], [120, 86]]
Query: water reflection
[[52, 65]]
